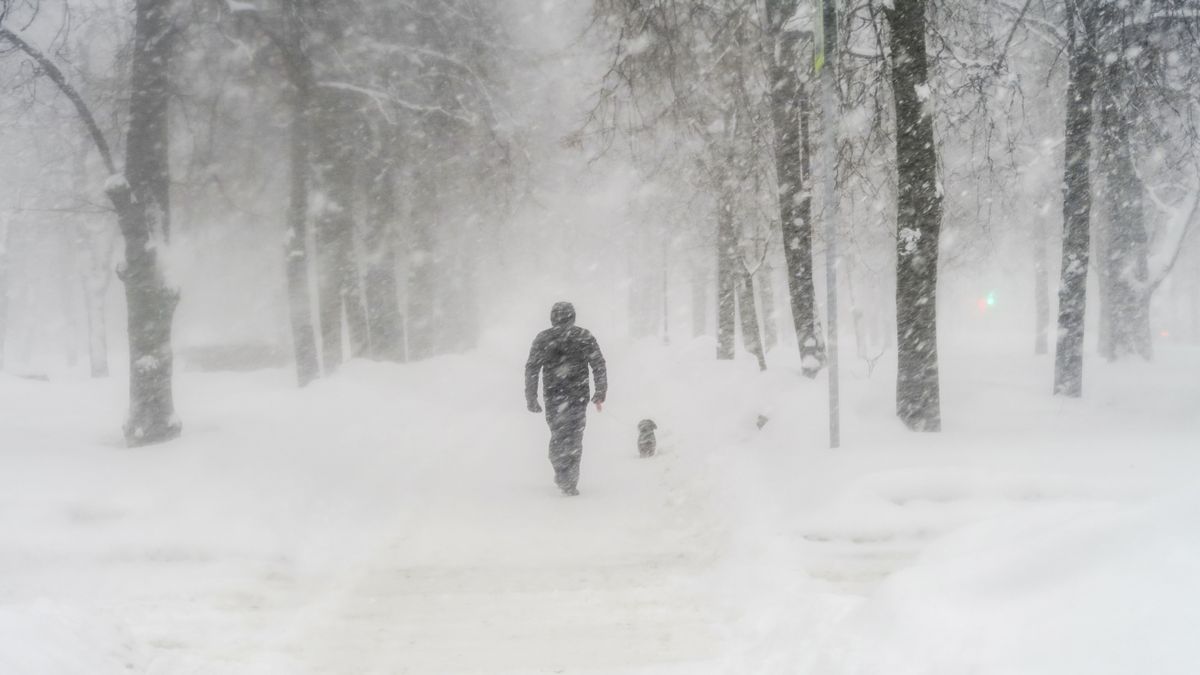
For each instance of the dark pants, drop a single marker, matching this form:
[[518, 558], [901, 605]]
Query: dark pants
[[566, 417]]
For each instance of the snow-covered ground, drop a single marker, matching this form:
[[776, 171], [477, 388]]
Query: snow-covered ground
[[402, 519]]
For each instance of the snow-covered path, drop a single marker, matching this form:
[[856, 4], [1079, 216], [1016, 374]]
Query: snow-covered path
[[390, 520], [402, 519], [484, 568]]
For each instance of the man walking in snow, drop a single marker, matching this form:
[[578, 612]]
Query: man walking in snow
[[561, 355]]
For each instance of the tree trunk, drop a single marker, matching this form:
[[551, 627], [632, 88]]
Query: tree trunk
[[1194, 295], [95, 251], [751, 336], [699, 301], [68, 292], [97, 325], [1100, 264], [91, 252], [338, 287], [459, 320], [1041, 289], [421, 286], [1077, 199], [766, 291], [919, 218], [4, 244], [727, 270], [789, 115], [299, 68], [304, 343], [856, 317], [384, 321], [666, 294], [143, 208], [1126, 242], [643, 299]]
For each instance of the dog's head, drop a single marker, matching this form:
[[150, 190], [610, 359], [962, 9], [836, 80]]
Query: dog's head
[[646, 426]]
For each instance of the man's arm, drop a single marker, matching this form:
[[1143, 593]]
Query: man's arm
[[599, 370], [533, 369]]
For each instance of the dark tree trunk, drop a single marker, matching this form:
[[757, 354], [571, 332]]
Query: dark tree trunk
[[727, 271], [1125, 247], [1077, 198], [1041, 290], [338, 287], [384, 321], [789, 113], [1100, 264], [919, 217], [751, 336], [143, 212]]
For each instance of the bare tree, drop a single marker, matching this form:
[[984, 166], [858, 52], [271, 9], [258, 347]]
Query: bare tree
[[695, 70], [140, 196]]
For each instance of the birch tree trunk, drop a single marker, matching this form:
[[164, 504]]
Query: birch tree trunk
[[919, 217]]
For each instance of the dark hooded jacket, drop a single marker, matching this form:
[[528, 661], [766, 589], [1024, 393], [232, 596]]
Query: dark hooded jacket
[[562, 355]]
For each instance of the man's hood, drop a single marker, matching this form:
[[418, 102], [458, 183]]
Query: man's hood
[[563, 314]]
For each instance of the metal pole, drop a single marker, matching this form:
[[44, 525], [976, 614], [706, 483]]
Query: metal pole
[[829, 158]]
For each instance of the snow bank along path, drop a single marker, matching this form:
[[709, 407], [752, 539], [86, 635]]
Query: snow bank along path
[[402, 519]]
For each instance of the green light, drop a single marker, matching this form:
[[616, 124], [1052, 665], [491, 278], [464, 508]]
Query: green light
[[991, 298]]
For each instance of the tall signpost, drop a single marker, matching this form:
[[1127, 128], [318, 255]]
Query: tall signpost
[[825, 63]]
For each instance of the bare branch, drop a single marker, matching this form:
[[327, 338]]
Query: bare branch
[[56, 75]]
